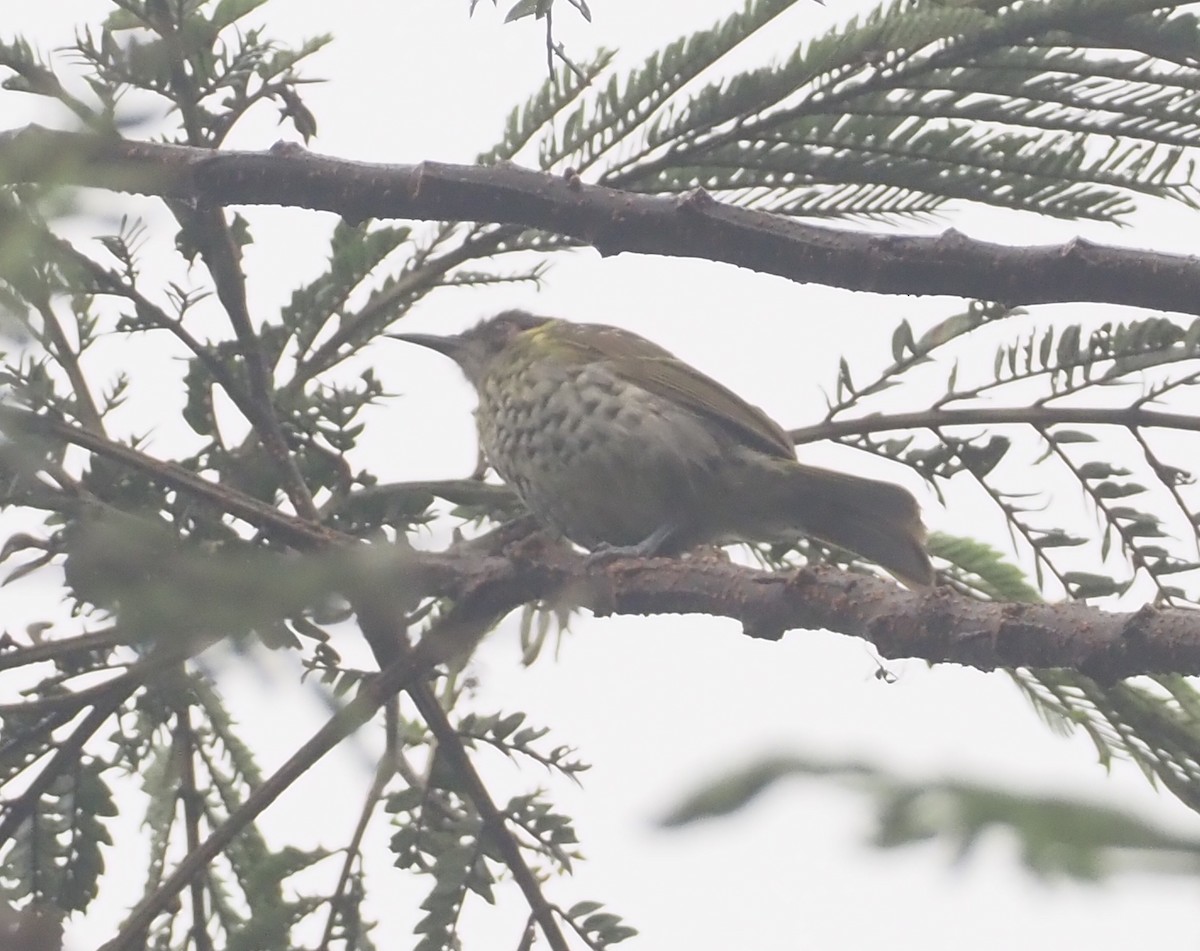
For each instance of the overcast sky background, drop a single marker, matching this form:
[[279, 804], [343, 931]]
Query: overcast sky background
[[656, 704]]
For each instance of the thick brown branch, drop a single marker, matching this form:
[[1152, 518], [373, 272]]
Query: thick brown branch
[[939, 626], [693, 225]]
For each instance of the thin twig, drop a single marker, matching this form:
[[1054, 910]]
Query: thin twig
[[390, 681], [70, 700], [383, 774], [221, 255], [450, 746], [52, 650], [1003, 416], [382, 309], [296, 531], [189, 793], [66, 753], [147, 310], [206, 223], [68, 359], [63, 708]]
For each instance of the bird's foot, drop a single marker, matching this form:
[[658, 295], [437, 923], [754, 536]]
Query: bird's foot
[[604, 553], [648, 547]]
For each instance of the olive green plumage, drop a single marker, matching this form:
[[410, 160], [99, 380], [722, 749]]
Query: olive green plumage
[[617, 444]]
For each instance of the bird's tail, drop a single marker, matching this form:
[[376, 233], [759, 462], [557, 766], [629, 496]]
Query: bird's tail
[[879, 520]]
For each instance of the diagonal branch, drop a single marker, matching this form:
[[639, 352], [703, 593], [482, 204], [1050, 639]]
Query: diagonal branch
[[339, 899], [475, 613], [107, 282], [296, 531], [66, 753], [451, 746], [221, 254], [355, 714], [51, 650], [611, 220], [104, 700], [68, 358]]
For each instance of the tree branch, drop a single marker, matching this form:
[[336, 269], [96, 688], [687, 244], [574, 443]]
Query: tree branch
[[191, 798], [691, 225], [451, 746], [355, 714], [50, 650], [940, 625], [1039, 416], [66, 753], [57, 343], [473, 615], [385, 770], [221, 254], [299, 532], [106, 282]]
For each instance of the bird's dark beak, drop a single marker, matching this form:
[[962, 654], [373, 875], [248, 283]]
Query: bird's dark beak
[[450, 345]]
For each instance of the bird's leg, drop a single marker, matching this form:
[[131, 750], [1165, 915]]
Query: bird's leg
[[481, 466], [648, 547]]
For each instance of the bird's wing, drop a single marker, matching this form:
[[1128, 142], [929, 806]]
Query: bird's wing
[[639, 361]]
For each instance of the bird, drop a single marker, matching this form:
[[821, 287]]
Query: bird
[[624, 449]]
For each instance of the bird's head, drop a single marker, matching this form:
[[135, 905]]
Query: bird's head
[[473, 350]]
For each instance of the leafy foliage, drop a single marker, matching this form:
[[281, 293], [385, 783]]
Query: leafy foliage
[[1070, 388], [442, 834], [56, 853], [902, 110], [1057, 837], [1066, 386]]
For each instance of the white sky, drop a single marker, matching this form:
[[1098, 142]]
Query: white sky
[[658, 704]]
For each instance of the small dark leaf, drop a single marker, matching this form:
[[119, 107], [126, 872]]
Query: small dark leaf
[[522, 9], [1071, 436], [1083, 584]]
